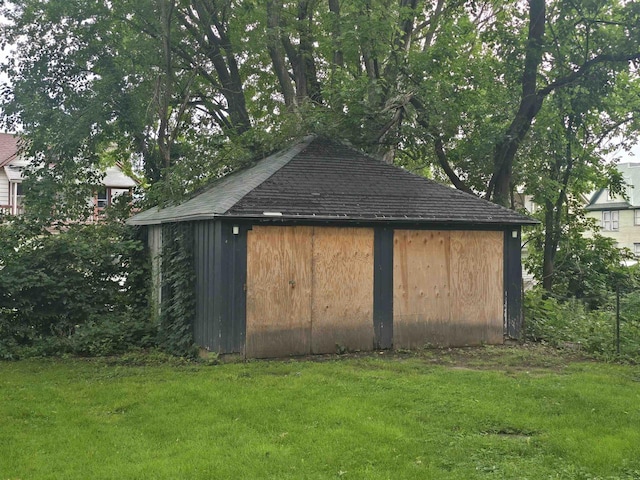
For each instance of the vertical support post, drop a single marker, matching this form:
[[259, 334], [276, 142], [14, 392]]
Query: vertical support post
[[618, 319], [14, 199], [512, 283], [383, 288]]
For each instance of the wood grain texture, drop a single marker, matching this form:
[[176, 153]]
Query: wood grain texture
[[342, 306], [421, 294], [448, 288], [477, 291], [279, 284]]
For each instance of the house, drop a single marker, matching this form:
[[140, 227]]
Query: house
[[114, 183], [619, 215], [10, 179], [320, 247]]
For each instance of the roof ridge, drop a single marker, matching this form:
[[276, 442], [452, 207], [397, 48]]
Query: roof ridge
[[276, 161]]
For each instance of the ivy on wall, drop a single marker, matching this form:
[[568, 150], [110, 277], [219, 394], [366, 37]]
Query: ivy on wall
[[178, 292]]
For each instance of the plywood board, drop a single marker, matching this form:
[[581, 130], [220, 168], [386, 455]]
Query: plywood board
[[342, 307], [279, 283], [477, 293], [421, 292]]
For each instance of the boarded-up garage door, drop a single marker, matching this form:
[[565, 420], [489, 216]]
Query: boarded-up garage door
[[278, 291], [448, 288], [309, 289], [342, 290]]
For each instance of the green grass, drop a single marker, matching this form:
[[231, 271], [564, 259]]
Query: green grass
[[478, 413]]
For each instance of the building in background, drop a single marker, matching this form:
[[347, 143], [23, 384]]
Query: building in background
[[619, 215], [114, 183]]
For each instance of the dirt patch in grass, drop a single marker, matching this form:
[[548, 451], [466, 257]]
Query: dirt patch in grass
[[517, 357]]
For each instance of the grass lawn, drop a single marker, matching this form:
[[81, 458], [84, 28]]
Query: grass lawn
[[477, 413]]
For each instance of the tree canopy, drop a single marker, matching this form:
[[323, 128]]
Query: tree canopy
[[483, 94]]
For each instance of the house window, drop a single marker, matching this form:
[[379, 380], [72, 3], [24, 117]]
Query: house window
[[636, 216], [610, 220], [103, 198], [636, 249], [610, 197], [19, 194]]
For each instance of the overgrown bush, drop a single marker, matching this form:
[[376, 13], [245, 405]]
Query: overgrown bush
[[80, 290], [112, 335], [588, 268], [571, 323]]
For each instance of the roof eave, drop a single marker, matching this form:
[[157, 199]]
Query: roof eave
[[378, 219], [159, 221], [612, 206]]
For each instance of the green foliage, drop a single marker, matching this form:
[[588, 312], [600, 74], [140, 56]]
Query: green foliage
[[587, 266], [174, 85], [570, 323], [111, 335], [178, 290], [79, 290]]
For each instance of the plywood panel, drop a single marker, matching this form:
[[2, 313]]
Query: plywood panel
[[342, 308], [279, 281], [421, 292], [477, 293]]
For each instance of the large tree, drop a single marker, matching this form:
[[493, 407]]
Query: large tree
[[187, 85]]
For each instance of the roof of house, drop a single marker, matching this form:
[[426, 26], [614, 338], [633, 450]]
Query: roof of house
[[631, 175], [8, 148], [320, 179], [115, 178], [14, 165]]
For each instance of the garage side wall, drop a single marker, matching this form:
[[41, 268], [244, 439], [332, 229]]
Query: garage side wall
[[154, 242], [220, 275], [513, 283]]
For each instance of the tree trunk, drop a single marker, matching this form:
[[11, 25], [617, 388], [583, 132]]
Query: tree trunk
[[336, 32], [550, 247], [530, 104], [164, 90], [275, 47], [211, 33]]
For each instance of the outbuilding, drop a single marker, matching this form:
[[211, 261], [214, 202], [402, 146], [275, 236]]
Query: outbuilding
[[321, 248]]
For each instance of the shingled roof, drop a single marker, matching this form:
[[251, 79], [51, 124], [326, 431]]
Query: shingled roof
[[8, 148], [321, 179]]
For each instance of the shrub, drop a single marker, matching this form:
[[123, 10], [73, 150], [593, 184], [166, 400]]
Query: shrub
[[561, 322], [82, 290], [112, 335]]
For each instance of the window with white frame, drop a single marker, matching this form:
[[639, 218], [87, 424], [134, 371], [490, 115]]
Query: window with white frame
[[103, 197], [636, 249], [610, 220], [636, 216], [608, 196], [19, 195]]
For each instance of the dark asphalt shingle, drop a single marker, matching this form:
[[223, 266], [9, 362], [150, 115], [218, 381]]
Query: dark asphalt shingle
[[321, 178], [331, 179]]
